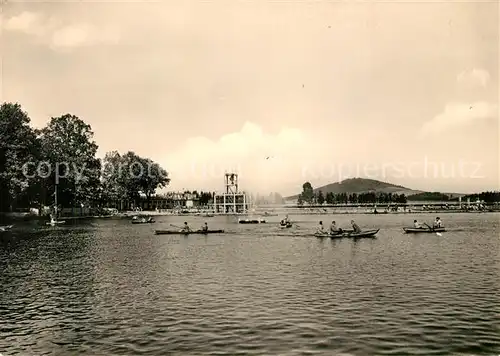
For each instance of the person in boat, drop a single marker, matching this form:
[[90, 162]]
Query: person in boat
[[150, 219], [417, 225], [204, 228], [437, 223], [321, 228], [186, 228], [355, 227], [334, 229]]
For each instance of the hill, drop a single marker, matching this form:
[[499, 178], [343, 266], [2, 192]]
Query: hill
[[362, 185]]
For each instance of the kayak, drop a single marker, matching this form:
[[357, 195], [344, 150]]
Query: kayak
[[170, 232], [350, 233], [254, 221], [54, 223], [142, 222], [6, 228], [415, 230]]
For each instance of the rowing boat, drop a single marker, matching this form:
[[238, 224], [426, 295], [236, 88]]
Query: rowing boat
[[135, 221], [350, 234], [285, 226], [170, 232], [253, 221], [416, 230]]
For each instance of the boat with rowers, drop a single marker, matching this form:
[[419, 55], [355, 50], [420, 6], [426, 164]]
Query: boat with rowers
[[419, 228], [335, 232], [193, 232], [348, 234], [285, 223], [251, 221], [136, 220], [416, 230]]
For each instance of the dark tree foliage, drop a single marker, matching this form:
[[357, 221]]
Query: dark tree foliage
[[19, 153]]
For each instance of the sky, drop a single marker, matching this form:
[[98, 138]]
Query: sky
[[282, 92]]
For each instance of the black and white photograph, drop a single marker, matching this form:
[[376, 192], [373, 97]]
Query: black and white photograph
[[249, 177]]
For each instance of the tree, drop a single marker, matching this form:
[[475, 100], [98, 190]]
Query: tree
[[205, 198], [321, 198], [113, 187], [307, 192], [126, 177], [69, 149], [300, 200], [19, 147], [330, 198]]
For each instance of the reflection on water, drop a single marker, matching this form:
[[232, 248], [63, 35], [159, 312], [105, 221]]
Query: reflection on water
[[107, 287]]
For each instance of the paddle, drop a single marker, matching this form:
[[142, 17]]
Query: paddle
[[430, 228]]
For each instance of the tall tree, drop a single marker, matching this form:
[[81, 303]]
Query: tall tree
[[307, 192], [125, 177], [19, 152], [321, 198], [68, 146], [330, 198]]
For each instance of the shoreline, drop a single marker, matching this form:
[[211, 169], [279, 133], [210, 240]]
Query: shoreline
[[130, 214]]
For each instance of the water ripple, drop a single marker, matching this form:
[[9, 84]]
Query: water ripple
[[112, 288]]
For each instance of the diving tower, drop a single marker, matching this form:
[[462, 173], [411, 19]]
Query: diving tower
[[232, 200]]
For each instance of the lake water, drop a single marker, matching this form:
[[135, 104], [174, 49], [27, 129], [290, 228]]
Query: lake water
[[107, 287]]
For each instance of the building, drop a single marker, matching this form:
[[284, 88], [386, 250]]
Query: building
[[232, 201], [170, 200]]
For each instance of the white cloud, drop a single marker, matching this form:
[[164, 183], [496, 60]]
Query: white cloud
[[474, 77], [459, 115], [83, 35], [264, 161], [58, 35], [26, 22]]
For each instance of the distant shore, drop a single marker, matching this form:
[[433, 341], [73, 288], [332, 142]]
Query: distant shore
[[276, 213]]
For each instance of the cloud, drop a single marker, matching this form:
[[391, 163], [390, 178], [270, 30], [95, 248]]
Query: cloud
[[474, 77], [27, 22], [83, 35], [459, 115], [58, 35], [262, 160]]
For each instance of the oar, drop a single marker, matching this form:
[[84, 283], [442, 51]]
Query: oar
[[430, 228]]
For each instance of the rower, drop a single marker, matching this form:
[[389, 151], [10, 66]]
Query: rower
[[355, 227], [437, 223], [416, 224], [186, 228], [204, 228], [321, 228], [333, 228]]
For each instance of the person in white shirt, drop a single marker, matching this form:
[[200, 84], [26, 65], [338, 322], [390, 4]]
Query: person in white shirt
[[438, 223], [321, 228]]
